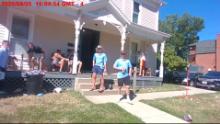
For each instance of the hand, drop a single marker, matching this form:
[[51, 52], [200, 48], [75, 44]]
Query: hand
[[105, 70], [123, 69]]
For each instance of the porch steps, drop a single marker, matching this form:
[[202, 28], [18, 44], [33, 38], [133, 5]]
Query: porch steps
[[96, 93], [88, 86], [84, 85], [19, 63]]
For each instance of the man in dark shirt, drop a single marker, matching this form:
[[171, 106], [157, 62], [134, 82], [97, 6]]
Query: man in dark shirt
[[35, 56]]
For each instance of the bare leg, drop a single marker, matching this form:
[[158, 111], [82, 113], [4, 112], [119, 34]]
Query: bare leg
[[127, 90], [93, 80], [70, 68], [80, 66], [41, 63], [119, 90], [32, 63], [102, 83], [61, 64], [140, 71], [143, 73]]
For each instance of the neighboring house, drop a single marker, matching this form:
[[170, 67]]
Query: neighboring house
[[206, 54], [130, 25]]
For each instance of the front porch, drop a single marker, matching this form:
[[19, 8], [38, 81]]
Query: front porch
[[15, 84]]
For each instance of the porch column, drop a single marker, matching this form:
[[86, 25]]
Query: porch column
[[123, 37], [77, 36], [162, 46]]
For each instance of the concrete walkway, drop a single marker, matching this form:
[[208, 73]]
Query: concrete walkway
[[145, 112]]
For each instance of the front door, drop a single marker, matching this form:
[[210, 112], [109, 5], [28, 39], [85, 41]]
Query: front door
[[19, 34], [89, 39]]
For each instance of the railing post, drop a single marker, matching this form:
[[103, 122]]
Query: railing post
[[134, 79], [22, 60]]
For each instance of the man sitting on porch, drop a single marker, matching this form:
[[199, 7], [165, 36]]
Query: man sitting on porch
[[70, 64], [35, 56], [58, 60]]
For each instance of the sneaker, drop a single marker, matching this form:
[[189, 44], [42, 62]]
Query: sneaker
[[25, 94], [129, 102], [128, 99], [123, 97]]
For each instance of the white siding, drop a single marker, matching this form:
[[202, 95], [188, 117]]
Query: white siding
[[149, 16], [149, 12], [126, 6], [4, 32]]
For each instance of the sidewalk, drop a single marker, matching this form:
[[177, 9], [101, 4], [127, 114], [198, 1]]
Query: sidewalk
[[149, 114], [145, 112], [147, 96]]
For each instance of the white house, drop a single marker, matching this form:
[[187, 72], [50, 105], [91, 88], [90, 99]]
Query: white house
[[130, 25]]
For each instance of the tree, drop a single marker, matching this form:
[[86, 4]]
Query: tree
[[184, 31]]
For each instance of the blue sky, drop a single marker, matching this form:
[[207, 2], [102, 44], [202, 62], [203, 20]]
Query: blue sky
[[209, 10]]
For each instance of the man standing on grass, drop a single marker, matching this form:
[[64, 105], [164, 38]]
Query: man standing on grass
[[99, 67], [124, 68]]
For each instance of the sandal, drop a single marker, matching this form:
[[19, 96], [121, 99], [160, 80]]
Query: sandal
[[92, 89], [101, 91]]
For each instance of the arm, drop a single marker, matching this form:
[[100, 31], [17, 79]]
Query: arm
[[105, 63], [130, 68], [59, 56], [130, 72], [93, 60], [115, 66]]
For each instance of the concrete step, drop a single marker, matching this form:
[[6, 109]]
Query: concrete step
[[89, 80], [95, 92], [89, 85]]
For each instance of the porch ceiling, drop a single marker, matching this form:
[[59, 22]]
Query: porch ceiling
[[147, 34]]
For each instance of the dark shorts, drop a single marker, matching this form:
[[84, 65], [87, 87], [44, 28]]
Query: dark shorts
[[125, 81], [97, 69]]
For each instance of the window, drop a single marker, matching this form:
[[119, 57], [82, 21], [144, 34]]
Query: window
[[136, 11], [20, 27]]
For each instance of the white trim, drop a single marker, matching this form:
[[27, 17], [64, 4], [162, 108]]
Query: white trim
[[12, 12], [123, 5], [140, 14], [157, 21]]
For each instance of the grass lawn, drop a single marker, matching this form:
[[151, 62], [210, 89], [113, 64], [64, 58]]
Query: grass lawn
[[68, 107], [203, 108], [165, 87]]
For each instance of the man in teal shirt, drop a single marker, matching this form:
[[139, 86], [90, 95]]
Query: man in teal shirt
[[124, 68], [99, 67]]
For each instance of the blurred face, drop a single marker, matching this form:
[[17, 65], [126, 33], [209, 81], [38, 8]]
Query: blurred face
[[123, 56], [99, 50], [30, 45], [5, 44]]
